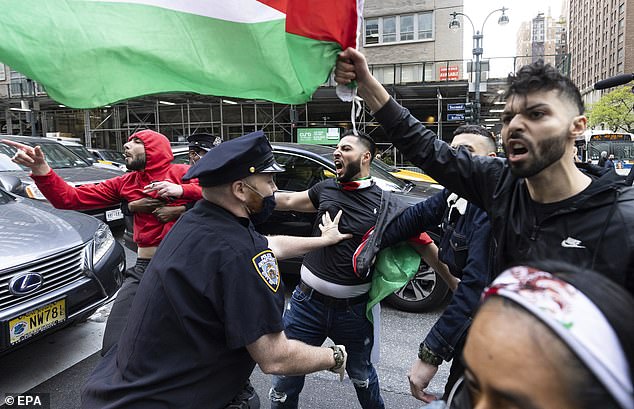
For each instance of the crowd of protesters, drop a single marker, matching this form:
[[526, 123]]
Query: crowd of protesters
[[540, 244]]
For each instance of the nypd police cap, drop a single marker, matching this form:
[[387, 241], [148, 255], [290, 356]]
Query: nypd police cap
[[204, 141], [235, 159]]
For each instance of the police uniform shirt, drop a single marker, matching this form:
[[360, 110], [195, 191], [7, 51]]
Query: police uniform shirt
[[212, 288], [360, 211]]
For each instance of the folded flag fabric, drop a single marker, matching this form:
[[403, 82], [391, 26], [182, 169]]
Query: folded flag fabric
[[90, 53], [395, 266]]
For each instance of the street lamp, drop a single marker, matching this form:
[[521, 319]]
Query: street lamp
[[454, 24]]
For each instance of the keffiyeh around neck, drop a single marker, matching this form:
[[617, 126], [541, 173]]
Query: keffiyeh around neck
[[357, 184]]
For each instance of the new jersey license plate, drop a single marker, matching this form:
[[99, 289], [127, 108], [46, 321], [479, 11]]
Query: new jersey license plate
[[113, 215], [36, 321]]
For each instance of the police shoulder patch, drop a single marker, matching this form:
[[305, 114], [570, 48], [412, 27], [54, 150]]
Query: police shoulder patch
[[266, 265]]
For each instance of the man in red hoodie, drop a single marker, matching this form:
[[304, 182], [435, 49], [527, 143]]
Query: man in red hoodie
[[148, 157]]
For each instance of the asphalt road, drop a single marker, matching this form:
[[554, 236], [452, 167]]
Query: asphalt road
[[57, 365]]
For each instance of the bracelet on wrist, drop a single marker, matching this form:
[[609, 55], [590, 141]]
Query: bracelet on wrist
[[337, 354], [428, 356]]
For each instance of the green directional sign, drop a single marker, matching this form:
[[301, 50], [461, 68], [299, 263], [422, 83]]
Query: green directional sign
[[318, 136]]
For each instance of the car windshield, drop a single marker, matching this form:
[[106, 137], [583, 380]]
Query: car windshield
[[113, 156], [81, 151], [384, 166], [5, 161], [57, 156], [386, 180]]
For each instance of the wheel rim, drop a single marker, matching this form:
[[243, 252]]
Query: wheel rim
[[419, 287]]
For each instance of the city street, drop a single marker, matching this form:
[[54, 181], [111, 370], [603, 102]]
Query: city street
[[57, 365]]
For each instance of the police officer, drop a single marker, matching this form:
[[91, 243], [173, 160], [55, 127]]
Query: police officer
[[200, 144], [210, 305]]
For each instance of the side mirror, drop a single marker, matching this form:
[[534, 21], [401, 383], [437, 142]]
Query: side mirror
[[10, 183]]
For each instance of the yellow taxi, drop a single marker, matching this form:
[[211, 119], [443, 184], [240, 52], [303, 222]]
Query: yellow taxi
[[404, 173]]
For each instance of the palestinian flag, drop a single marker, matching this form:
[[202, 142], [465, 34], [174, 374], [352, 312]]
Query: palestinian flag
[[89, 53]]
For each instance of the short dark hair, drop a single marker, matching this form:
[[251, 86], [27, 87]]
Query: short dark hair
[[478, 130], [365, 139], [539, 76]]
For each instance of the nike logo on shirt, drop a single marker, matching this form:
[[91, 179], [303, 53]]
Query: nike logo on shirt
[[572, 243]]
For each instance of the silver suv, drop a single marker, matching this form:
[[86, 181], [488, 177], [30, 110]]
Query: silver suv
[[56, 267], [72, 168]]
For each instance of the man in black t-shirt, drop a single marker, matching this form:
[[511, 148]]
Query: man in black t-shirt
[[330, 300], [210, 304]]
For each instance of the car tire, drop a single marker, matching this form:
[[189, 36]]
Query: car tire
[[425, 292]]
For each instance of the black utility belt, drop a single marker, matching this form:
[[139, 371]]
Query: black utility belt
[[331, 301]]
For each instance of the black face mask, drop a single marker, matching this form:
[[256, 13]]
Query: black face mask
[[268, 205]]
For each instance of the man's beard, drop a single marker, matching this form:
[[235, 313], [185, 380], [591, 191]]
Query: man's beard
[[546, 152], [136, 163], [352, 170]]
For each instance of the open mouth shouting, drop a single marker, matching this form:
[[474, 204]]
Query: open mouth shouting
[[339, 167], [516, 151]]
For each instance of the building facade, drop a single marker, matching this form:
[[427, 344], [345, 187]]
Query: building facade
[[410, 41], [601, 40], [407, 42], [543, 37]]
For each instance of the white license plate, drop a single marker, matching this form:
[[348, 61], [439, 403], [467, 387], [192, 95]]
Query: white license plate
[[36, 321], [113, 215]]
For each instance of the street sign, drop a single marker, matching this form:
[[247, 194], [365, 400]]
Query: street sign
[[455, 117], [455, 107], [318, 136]]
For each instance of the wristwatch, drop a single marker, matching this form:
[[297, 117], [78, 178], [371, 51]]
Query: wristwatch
[[428, 356], [337, 353]]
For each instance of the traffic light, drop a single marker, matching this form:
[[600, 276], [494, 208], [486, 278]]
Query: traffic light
[[468, 111]]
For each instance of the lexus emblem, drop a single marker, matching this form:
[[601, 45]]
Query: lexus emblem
[[25, 283]]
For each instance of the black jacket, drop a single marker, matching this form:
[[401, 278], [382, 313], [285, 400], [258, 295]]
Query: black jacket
[[593, 229], [466, 248]]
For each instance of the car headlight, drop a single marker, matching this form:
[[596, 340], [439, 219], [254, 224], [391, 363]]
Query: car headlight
[[103, 240], [33, 192]]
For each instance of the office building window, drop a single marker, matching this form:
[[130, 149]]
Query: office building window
[[425, 26], [372, 31], [396, 29], [389, 29], [407, 27]]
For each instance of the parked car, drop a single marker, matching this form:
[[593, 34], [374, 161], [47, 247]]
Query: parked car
[[72, 168], [108, 157], [77, 148], [83, 152], [180, 152], [404, 173], [307, 165], [56, 267]]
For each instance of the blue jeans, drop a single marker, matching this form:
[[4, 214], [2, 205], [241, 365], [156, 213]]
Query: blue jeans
[[311, 321]]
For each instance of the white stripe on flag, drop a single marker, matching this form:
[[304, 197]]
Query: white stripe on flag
[[239, 11]]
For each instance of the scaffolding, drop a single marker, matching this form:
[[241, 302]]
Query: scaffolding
[[425, 88]]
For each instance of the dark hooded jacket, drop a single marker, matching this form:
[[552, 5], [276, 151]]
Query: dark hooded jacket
[[593, 229], [148, 230]]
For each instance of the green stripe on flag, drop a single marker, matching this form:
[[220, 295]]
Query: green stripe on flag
[[89, 54]]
